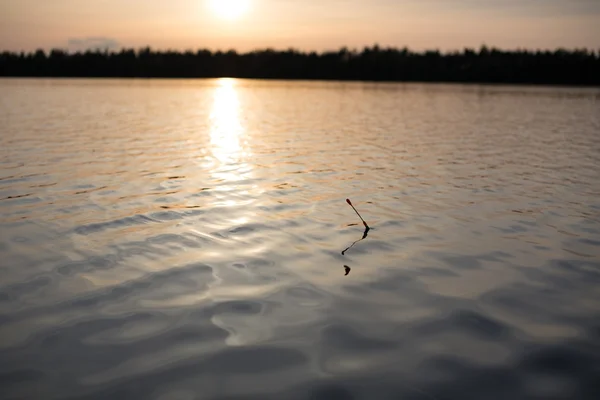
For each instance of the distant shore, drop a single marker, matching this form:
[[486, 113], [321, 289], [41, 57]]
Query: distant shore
[[578, 67]]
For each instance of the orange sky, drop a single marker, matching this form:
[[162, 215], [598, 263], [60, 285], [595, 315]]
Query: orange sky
[[303, 24]]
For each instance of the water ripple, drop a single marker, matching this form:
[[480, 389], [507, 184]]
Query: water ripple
[[184, 239]]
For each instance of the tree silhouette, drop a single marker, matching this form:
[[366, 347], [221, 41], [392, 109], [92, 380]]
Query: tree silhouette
[[487, 65]]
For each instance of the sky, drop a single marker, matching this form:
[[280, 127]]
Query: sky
[[26, 25]]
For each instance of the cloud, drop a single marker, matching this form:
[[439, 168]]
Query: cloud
[[93, 43]]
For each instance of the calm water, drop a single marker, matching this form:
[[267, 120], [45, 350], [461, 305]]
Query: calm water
[[182, 240]]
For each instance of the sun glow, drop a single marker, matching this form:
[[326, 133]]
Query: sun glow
[[229, 9]]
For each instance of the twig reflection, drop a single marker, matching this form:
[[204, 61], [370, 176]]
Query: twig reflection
[[364, 236]]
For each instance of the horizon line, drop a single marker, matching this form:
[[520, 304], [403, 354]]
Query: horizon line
[[353, 49]]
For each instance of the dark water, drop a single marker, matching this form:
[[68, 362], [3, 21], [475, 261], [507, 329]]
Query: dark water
[[183, 239]]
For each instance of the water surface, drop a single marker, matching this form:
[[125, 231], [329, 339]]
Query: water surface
[[183, 240]]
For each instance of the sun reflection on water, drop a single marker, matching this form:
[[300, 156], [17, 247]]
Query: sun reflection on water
[[226, 129]]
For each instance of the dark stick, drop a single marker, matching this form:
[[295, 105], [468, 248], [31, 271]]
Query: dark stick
[[361, 218]]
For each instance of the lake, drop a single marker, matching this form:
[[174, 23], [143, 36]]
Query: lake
[[183, 239]]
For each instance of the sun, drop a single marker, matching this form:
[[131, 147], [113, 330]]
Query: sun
[[229, 9]]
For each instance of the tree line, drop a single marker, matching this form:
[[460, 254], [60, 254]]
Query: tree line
[[485, 65]]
